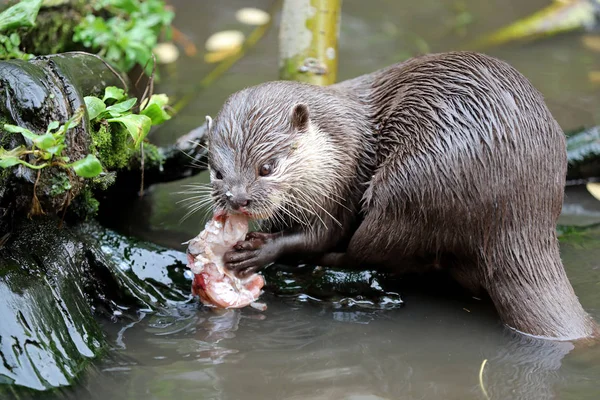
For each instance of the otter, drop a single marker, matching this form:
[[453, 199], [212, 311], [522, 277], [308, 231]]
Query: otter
[[452, 157]]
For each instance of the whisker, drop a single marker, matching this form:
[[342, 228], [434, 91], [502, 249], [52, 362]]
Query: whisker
[[315, 203]]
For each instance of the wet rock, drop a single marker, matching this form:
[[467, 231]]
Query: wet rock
[[54, 281]]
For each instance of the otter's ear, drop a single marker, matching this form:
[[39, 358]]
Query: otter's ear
[[300, 117]]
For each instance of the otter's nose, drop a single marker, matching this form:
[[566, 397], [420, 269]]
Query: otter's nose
[[237, 200]]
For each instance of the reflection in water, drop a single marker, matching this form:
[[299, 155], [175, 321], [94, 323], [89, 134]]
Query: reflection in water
[[526, 368], [428, 350]]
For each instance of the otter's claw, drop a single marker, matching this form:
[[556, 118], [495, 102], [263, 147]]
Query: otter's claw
[[252, 254], [243, 263], [248, 245], [263, 237]]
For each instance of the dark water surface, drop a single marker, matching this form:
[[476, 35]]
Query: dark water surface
[[432, 347]]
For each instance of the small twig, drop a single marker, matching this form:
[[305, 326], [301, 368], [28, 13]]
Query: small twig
[[67, 201], [110, 67], [188, 46], [150, 86], [141, 194], [65, 207], [481, 379]]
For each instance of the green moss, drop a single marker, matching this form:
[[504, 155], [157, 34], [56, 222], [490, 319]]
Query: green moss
[[4, 135], [4, 175], [153, 157], [85, 206], [104, 181], [59, 183], [109, 143]]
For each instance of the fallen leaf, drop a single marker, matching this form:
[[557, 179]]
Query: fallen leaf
[[166, 53], [252, 16], [594, 189], [224, 40]]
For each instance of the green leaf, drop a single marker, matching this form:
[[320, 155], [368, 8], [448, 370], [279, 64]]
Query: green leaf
[[45, 141], [15, 39], [138, 126], [155, 109], [16, 129], [88, 167], [113, 93], [56, 150], [21, 14], [116, 109], [129, 6], [94, 106], [9, 162], [41, 141], [52, 126], [71, 123], [10, 158]]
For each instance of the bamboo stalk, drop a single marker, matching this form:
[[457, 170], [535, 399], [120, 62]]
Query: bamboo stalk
[[308, 41]]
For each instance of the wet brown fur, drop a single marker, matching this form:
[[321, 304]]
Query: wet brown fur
[[452, 156]]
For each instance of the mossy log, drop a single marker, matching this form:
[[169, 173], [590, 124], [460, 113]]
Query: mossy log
[[35, 93]]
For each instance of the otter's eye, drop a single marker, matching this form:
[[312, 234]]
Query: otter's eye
[[265, 169], [218, 175]]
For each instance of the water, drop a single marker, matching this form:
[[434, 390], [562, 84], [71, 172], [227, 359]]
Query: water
[[434, 346]]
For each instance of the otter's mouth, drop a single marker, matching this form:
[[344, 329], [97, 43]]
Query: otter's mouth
[[221, 213]]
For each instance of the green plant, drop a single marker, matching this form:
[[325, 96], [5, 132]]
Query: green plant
[[47, 149], [113, 122], [20, 15], [129, 35]]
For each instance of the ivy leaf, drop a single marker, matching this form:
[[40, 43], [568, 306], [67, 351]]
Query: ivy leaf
[[129, 6], [74, 121], [41, 141], [21, 14], [10, 158], [138, 126], [116, 109], [52, 126], [155, 109], [55, 150], [94, 106], [15, 40], [45, 141], [88, 167], [16, 129], [7, 162], [113, 93]]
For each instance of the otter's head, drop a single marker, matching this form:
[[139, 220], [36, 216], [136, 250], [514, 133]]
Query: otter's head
[[267, 156]]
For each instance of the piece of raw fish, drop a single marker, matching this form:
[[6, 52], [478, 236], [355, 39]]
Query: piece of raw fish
[[213, 283]]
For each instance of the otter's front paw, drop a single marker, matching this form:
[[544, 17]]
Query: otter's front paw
[[252, 254]]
